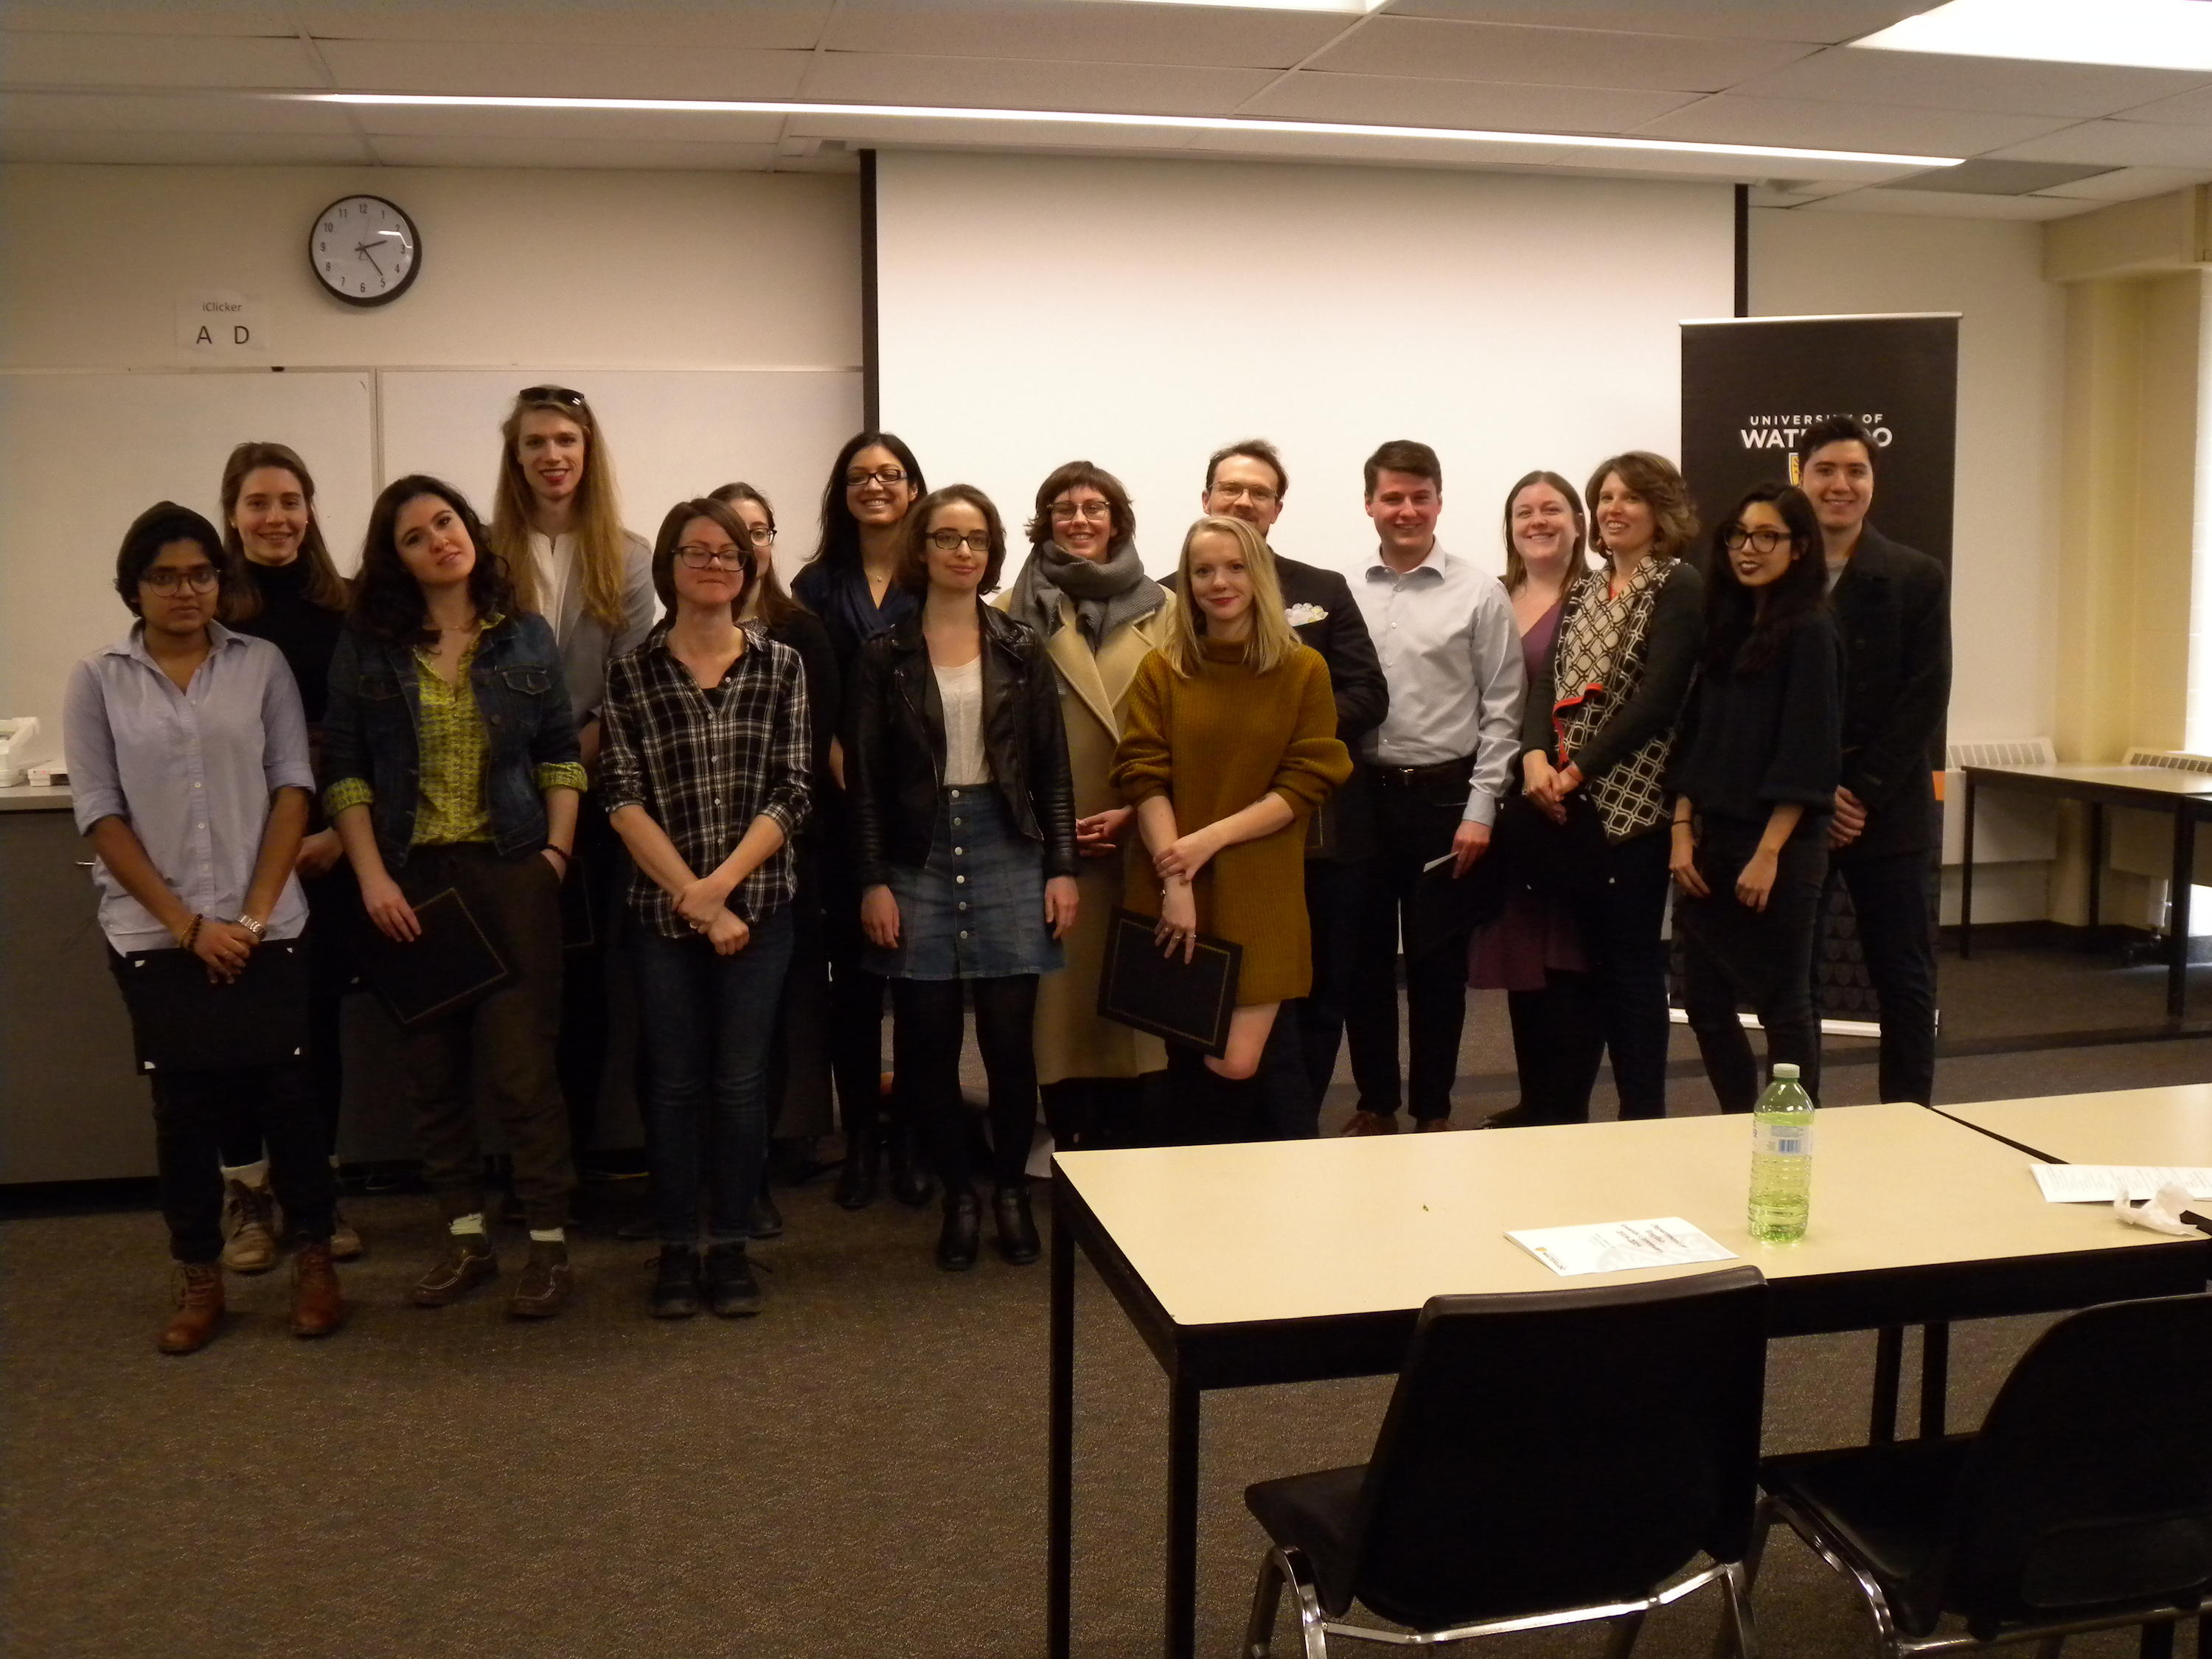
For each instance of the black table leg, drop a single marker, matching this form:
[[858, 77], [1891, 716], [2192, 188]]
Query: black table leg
[[1888, 1362], [1181, 1636], [1934, 1378], [1060, 1410], [2096, 866], [2184, 868], [1966, 877]]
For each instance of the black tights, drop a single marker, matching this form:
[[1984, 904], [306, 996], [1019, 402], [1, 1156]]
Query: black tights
[[925, 1036]]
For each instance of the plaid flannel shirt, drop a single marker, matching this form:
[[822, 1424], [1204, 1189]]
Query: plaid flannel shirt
[[704, 771]]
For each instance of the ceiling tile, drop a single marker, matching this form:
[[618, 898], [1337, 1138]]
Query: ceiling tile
[[1728, 117], [571, 153], [2186, 107], [84, 112], [2130, 184], [892, 133], [1738, 169], [1397, 152], [766, 24], [186, 149], [147, 16], [1085, 31], [1819, 21], [550, 71], [156, 60], [566, 127], [1988, 177], [1796, 193], [2119, 144], [1546, 57], [977, 82], [1404, 101], [1930, 204], [2002, 86]]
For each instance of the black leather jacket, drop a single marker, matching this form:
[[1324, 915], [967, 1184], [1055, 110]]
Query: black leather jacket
[[895, 746]]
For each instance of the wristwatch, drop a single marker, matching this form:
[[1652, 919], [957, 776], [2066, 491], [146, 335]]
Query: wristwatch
[[256, 928]]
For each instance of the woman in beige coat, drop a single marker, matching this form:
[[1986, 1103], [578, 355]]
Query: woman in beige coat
[[1086, 595]]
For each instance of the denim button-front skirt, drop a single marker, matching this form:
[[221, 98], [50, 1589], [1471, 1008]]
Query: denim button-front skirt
[[976, 910]]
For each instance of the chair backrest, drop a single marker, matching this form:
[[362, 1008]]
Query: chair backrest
[[1563, 1448], [2090, 1484]]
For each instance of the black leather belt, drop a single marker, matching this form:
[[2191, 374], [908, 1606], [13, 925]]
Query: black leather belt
[[1456, 772]]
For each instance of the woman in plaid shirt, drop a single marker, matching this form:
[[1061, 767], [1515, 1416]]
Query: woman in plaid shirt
[[703, 770]]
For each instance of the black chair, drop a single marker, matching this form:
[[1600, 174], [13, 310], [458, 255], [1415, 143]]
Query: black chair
[[1547, 1459], [2084, 1504]]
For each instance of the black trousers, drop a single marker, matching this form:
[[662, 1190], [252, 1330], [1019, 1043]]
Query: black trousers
[[602, 866], [1091, 1114], [1559, 1042], [856, 998], [1621, 908], [333, 913], [1334, 895], [1893, 895], [799, 1066], [1733, 954], [926, 1031], [1414, 826]]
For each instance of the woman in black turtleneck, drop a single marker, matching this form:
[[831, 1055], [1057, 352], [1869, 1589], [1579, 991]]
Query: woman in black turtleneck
[[279, 585]]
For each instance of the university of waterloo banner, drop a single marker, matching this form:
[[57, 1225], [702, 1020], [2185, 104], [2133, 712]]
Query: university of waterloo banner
[[1749, 388]]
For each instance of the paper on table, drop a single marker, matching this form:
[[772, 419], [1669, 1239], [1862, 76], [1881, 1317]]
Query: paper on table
[[2100, 1183], [1612, 1247]]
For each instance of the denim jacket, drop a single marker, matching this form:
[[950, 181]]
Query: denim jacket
[[372, 726]]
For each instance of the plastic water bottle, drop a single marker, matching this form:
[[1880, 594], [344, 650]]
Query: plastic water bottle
[[1781, 1159]]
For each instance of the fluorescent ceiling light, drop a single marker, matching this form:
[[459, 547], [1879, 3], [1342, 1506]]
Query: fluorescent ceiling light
[[1098, 118], [2140, 33], [1354, 6]]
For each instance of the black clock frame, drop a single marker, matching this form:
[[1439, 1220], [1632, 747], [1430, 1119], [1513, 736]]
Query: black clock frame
[[367, 301]]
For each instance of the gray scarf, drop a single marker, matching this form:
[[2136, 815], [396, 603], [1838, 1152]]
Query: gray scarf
[[1107, 594]]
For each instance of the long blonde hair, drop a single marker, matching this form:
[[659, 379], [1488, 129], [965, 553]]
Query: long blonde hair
[[597, 521], [1271, 639]]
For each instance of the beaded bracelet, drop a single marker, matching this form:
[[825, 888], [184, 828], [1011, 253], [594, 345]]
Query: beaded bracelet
[[191, 933]]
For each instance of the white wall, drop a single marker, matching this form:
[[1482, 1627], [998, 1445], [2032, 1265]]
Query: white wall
[[713, 319], [1144, 313]]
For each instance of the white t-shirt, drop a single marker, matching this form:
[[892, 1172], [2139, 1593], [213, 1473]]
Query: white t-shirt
[[555, 560], [961, 690]]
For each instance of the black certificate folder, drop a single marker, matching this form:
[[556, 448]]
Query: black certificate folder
[[1181, 1001], [451, 966]]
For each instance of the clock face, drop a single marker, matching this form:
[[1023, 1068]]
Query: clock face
[[364, 250]]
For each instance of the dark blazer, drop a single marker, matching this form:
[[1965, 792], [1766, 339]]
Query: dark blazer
[[1893, 607], [895, 746], [1342, 828]]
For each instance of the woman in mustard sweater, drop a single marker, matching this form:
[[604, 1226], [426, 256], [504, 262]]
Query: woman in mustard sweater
[[1229, 744]]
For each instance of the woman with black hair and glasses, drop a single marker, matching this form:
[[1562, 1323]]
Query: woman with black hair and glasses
[[189, 761], [450, 748], [1754, 782], [851, 584]]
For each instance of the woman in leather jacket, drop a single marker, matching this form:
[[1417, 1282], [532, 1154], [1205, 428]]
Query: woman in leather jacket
[[963, 825]]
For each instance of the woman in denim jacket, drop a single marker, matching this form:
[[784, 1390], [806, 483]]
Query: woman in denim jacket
[[450, 748]]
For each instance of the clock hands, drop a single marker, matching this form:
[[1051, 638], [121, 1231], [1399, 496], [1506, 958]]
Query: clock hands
[[369, 254]]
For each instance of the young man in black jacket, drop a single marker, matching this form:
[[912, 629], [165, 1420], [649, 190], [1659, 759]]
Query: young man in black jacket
[[1894, 612]]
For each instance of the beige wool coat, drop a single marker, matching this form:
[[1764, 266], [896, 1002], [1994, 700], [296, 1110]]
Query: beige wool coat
[[1072, 1040]]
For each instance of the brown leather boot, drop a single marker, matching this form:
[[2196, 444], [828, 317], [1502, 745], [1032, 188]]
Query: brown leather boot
[[199, 1307], [317, 1309]]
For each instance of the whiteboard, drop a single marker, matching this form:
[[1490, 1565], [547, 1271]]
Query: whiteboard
[[672, 433], [83, 455]]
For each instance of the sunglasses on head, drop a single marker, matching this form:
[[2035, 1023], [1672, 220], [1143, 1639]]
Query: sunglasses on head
[[551, 394]]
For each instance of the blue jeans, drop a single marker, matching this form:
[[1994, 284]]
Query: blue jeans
[[707, 1022]]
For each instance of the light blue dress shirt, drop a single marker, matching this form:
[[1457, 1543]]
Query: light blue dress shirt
[[192, 771]]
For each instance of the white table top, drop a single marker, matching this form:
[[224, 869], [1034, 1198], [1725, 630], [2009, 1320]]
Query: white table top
[[1314, 1229], [2171, 1125], [2151, 780]]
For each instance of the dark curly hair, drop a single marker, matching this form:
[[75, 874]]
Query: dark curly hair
[[387, 601]]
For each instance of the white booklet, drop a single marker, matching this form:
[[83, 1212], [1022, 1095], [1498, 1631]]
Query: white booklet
[[1612, 1247], [2100, 1183]]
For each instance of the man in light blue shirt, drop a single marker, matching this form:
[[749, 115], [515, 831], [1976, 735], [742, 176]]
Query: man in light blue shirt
[[1441, 762]]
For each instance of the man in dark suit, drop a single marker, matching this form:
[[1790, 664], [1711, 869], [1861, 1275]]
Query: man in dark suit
[[1247, 481], [1894, 612]]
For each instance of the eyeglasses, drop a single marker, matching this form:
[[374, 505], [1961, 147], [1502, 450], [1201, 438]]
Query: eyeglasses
[[944, 541], [696, 558], [882, 475], [1259, 495], [1759, 541], [762, 535], [1063, 512], [550, 394], [201, 579]]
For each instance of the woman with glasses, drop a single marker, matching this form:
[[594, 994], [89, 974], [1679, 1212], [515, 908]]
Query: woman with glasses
[[189, 760], [556, 524], [450, 745], [1755, 782], [851, 584], [965, 831], [1596, 735], [280, 584], [1084, 594], [705, 779]]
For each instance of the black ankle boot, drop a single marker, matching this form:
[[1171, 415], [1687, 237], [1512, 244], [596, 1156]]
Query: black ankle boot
[[962, 1234], [910, 1181], [732, 1289], [675, 1293], [1017, 1233], [859, 1180]]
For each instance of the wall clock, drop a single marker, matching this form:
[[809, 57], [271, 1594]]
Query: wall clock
[[364, 250]]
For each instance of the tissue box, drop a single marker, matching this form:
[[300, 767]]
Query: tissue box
[[46, 775]]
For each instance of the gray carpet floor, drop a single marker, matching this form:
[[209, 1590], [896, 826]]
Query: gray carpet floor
[[859, 1472]]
